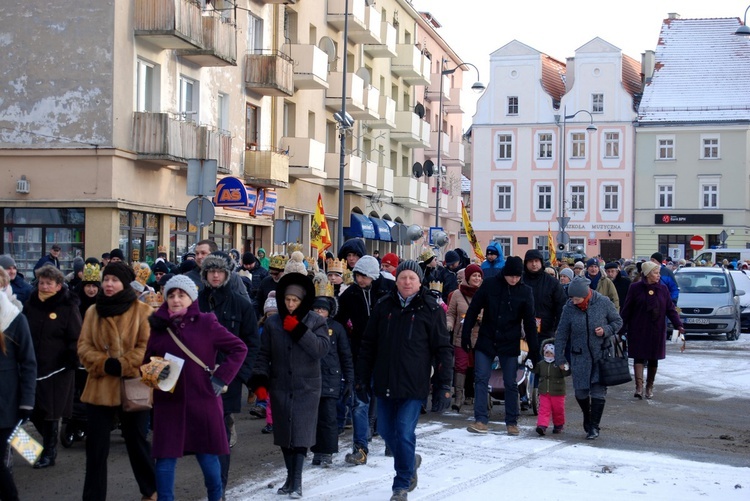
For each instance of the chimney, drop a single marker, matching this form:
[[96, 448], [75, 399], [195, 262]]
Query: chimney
[[570, 73], [647, 66], [673, 15]]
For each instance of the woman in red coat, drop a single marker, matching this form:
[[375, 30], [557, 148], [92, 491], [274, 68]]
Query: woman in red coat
[[190, 419]]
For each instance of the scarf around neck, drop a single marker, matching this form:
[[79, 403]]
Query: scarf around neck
[[117, 304], [468, 290]]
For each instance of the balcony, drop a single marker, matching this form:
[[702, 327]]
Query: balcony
[[423, 192], [386, 48], [411, 65], [432, 148], [267, 168], [371, 31], [169, 24], [290, 2], [310, 67], [406, 191], [352, 171], [385, 181], [371, 104], [433, 92], [354, 93], [220, 44], [455, 104], [306, 157], [411, 131], [269, 74], [369, 177], [387, 114], [455, 155], [336, 17]]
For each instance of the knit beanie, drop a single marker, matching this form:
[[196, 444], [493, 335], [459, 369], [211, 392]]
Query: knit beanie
[[579, 287], [6, 261], [367, 266], [248, 258], [160, 267], [296, 264], [410, 265], [648, 267], [295, 290], [122, 271], [612, 265], [183, 283], [323, 302], [658, 256], [117, 254], [391, 259], [513, 267], [451, 257], [567, 272], [78, 264], [270, 305], [471, 269]]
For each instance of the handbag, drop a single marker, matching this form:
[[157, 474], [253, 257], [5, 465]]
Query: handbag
[[194, 358], [134, 395], [613, 368]]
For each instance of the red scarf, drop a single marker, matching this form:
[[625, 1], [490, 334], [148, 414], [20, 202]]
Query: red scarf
[[584, 305], [467, 290]]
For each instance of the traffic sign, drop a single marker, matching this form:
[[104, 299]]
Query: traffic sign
[[697, 242], [563, 221], [563, 238], [200, 212]]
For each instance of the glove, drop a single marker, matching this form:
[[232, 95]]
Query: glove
[[217, 385], [347, 393], [24, 414], [261, 393], [466, 342], [523, 355], [258, 381], [445, 398], [294, 327], [290, 323], [113, 367], [529, 363], [362, 394]]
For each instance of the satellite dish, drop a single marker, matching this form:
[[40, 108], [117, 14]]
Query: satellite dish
[[419, 110], [414, 232], [429, 168], [416, 170], [326, 45], [440, 238], [364, 74]]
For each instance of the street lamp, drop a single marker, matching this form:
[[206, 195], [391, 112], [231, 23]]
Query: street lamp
[[743, 30], [562, 220], [476, 87], [345, 122]]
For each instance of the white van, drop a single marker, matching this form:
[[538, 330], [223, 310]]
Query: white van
[[714, 256]]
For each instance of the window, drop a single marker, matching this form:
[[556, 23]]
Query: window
[[504, 197], [597, 103], [254, 34], [710, 147], [504, 243], [611, 197], [252, 115], [145, 86], [577, 244], [545, 145], [222, 111], [541, 243], [222, 234], [665, 196], [188, 99], [579, 145], [544, 197], [612, 145], [504, 147], [578, 197], [709, 196], [665, 149], [181, 237], [513, 105], [139, 236]]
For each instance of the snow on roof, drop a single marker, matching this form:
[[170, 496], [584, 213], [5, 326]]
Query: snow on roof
[[702, 73]]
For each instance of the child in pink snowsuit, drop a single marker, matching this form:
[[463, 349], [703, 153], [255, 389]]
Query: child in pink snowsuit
[[551, 390]]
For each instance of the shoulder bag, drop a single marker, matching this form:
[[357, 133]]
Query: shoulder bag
[[194, 358], [613, 368], [134, 395]]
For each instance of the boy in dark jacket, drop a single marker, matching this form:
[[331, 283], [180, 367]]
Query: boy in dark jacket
[[551, 389]]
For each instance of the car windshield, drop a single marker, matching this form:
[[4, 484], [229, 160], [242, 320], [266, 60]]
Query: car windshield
[[704, 283]]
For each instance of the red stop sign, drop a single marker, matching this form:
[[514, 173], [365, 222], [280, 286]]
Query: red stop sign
[[697, 242]]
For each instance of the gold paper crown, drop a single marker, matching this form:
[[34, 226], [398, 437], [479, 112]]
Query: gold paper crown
[[91, 273], [348, 277], [322, 286], [142, 272], [154, 299], [436, 286], [296, 246], [426, 255], [161, 248], [277, 262], [312, 262], [337, 266]]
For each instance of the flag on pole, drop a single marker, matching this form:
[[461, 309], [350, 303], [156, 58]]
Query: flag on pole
[[320, 238], [470, 233], [551, 246]]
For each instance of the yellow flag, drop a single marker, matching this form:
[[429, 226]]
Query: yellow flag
[[470, 233], [551, 247], [320, 238]]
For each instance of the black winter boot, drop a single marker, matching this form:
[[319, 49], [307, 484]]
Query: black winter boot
[[289, 462], [50, 430], [299, 464], [585, 404], [597, 408]]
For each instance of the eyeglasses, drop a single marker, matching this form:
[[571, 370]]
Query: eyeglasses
[[159, 273]]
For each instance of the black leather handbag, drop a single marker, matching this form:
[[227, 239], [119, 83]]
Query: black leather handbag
[[613, 367]]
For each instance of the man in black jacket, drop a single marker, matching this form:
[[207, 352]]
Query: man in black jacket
[[622, 283], [406, 331], [549, 297], [508, 304]]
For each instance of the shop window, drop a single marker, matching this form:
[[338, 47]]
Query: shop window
[[181, 237], [139, 236]]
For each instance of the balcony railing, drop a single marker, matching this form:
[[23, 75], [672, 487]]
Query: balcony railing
[[354, 92], [369, 177], [310, 66], [385, 181], [352, 171], [423, 193], [433, 92], [267, 168], [336, 17], [169, 24], [371, 31], [455, 103], [387, 45], [220, 44], [370, 107], [269, 74], [411, 65], [406, 191], [432, 148], [387, 114], [455, 155], [290, 2], [411, 131], [306, 157]]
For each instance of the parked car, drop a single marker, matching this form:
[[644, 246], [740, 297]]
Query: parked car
[[709, 302], [742, 282]]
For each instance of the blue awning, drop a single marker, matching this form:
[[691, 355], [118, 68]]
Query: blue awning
[[360, 226], [382, 230]]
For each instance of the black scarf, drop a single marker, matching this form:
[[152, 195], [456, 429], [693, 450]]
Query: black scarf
[[117, 304]]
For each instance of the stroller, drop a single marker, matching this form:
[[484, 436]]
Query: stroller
[[525, 381], [75, 427]]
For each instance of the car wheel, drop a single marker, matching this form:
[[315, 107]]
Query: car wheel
[[734, 335]]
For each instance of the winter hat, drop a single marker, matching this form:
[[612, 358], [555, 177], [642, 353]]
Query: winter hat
[[451, 257], [592, 262], [122, 271], [295, 290], [579, 265], [411, 266], [6, 261], [160, 267], [658, 256], [648, 267], [579, 287], [492, 250], [567, 272], [186, 266], [533, 254], [78, 263], [296, 264], [471, 269], [215, 262], [323, 302], [367, 266], [391, 259], [612, 265], [117, 254], [183, 283], [355, 245], [248, 258], [270, 304], [513, 267]]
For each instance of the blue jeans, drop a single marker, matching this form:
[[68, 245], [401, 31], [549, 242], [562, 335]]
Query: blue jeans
[[482, 367], [397, 422], [209, 464], [361, 422]]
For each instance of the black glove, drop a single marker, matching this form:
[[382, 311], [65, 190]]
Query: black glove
[[258, 381], [445, 398], [466, 342], [113, 367], [218, 385], [347, 393], [24, 415], [362, 394]]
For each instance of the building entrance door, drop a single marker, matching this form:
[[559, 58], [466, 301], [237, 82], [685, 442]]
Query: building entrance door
[[610, 250]]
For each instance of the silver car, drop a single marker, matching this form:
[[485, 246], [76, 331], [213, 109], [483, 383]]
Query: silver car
[[709, 302]]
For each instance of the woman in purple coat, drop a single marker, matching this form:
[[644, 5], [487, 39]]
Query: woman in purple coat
[[644, 314], [190, 419]]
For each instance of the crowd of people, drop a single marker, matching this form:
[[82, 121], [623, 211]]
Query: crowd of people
[[319, 343]]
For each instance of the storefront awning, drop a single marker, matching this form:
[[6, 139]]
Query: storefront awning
[[360, 226], [382, 230]]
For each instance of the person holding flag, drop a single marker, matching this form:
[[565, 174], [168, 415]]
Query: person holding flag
[[470, 234], [320, 237]]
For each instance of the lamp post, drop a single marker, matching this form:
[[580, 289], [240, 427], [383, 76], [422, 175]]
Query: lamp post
[[345, 122], [476, 87], [743, 30]]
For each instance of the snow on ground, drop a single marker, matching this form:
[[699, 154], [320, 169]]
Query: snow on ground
[[458, 465]]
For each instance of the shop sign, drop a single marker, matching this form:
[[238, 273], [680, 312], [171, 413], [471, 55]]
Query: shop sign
[[230, 192], [670, 219]]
